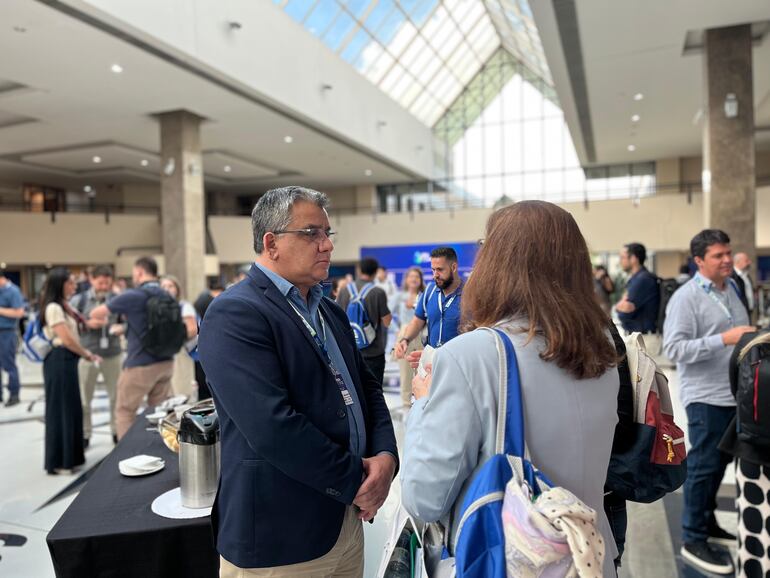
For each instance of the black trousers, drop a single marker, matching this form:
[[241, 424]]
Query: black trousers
[[376, 365], [63, 411]]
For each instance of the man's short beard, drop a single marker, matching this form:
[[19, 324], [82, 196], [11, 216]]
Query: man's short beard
[[443, 284]]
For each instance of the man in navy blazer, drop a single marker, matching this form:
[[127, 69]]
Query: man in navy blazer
[[308, 449]]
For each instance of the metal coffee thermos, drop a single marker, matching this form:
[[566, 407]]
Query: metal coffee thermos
[[198, 438]]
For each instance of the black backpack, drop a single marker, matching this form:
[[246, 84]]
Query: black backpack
[[166, 332], [752, 394], [666, 288]]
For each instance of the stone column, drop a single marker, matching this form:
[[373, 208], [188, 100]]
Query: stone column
[[728, 139], [182, 205]]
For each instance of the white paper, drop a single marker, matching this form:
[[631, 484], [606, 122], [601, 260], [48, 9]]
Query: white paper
[[425, 359]]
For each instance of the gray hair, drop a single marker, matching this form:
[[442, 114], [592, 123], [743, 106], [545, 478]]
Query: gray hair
[[273, 210]]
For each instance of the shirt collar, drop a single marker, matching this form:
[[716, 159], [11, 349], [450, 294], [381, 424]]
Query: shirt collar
[[708, 284], [290, 291]]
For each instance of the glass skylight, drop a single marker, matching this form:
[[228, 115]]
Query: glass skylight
[[422, 53]]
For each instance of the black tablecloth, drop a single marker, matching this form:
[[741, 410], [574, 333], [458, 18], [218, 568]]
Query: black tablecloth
[[110, 531]]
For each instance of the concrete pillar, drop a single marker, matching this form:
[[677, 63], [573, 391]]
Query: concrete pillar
[[728, 143], [182, 205]]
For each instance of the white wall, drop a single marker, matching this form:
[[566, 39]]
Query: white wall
[[664, 223], [277, 60]]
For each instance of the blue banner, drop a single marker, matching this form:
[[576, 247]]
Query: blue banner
[[397, 259]]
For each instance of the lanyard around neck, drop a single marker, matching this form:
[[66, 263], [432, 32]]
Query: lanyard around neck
[[710, 292], [313, 333], [444, 307]]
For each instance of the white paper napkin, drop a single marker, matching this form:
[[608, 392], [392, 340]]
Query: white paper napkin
[[140, 464]]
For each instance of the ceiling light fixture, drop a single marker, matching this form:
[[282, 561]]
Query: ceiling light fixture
[[228, 169], [635, 118], [288, 139], [87, 189], [144, 162], [116, 68], [631, 148], [638, 96], [97, 159], [368, 172]]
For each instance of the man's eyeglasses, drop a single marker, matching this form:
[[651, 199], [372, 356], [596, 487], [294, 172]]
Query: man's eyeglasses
[[311, 233]]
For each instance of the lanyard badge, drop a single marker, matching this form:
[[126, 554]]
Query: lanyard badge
[[346, 397], [442, 309]]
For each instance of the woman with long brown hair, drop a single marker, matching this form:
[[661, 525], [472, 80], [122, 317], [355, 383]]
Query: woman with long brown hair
[[533, 280], [63, 411]]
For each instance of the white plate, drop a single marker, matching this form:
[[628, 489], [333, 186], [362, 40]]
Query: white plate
[[133, 473], [155, 418], [169, 505]]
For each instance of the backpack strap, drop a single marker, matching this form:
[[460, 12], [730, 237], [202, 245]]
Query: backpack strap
[[365, 290], [510, 422], [352, 291]]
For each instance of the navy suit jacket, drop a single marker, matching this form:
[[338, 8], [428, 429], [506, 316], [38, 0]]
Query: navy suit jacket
[[287, 472]]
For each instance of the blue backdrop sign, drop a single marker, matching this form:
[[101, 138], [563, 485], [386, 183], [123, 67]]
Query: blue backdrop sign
[[397, 259]]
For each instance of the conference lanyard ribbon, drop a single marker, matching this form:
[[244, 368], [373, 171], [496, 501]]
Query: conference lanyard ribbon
[[443, 308], [346, 397], [710, 292]]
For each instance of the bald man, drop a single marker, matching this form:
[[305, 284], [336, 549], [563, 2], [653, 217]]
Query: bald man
[[742, 266]]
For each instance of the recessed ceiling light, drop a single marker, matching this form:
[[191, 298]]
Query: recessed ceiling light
[[638, 96], [97, 159], [87, 188], [116, 68], [368, 172], [631, 148], [288, 139], [635, 118], [228, 168], [144, 162]]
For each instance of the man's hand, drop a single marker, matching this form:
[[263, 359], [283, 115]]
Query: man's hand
[[624, 305], [414, 358], [96, 323], [400, 349], [378, 472], [732, 336]]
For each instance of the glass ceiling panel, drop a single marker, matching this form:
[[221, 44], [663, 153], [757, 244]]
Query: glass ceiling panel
[[422, 53]]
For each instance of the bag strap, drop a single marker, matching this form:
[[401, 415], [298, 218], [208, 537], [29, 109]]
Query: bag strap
[[352, 291], [365, 290], [510, 409]]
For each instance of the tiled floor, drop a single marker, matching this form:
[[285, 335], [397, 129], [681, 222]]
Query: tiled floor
[[31, 502]]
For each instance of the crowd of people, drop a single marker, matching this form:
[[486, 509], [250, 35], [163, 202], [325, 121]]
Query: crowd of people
[[308, 445], [96, 327]]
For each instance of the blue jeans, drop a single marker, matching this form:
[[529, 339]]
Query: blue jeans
[[705, 468], [8, 346]]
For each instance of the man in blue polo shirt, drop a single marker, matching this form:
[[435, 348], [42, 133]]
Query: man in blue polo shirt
[[11, 310], [638, 309], [439, 305]]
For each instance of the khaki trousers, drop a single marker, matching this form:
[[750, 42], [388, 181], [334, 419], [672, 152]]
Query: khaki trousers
[[182, 383], [153, 380], [344, 560], [87, 374]]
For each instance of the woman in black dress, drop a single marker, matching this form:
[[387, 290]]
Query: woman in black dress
[[63, 412]]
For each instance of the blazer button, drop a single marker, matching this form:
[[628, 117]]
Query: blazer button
[[341, 413]]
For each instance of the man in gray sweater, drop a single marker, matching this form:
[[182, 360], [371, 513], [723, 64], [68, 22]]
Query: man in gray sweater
[[704, 320]]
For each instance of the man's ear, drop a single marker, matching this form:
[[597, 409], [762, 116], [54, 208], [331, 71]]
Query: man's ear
[[270, 246]]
